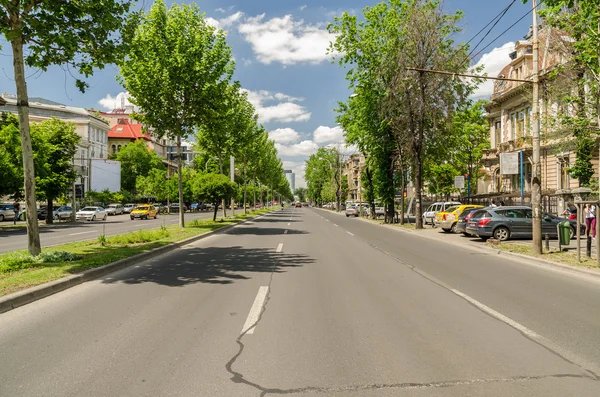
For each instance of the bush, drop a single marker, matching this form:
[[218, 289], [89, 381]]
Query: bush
[[17, 261], [141, 236]]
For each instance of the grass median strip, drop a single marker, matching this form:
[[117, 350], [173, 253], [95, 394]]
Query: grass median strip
[[19, 270], [555, 255]]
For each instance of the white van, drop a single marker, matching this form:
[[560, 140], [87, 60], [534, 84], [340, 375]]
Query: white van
[[429, 214]]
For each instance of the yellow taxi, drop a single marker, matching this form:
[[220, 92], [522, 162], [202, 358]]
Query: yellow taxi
[[447, 219], [144, 211]]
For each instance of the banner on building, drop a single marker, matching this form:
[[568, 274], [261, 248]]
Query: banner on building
[[509, 163]]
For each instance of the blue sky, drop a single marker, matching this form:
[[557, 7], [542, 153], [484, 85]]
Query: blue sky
[[279, 47]]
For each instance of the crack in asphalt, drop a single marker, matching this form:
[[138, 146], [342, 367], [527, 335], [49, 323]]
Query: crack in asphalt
[[238, 377]]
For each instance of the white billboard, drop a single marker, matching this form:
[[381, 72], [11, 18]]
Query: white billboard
[[459, 182], [509, 163], [105, 174]]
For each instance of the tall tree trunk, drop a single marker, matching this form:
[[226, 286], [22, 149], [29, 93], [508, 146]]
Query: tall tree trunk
[[245, 191], [50, 217], [390, 210], [221, 170], [180, 183], [402, 183], [418, 187], [34, 246], [254, 191], [216, 209]]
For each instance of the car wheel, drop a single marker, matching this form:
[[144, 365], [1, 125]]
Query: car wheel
[[501, 234], [466, 234], [1, 218], [453, 228], [93, 217], [104, 217], [132, 218], [347, 216], [56, 218]]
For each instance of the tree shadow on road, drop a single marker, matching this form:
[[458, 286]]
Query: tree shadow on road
[[215, 265], [263, 231]]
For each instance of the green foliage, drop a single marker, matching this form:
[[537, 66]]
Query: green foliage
[[155, 184], [54, 166], [102, 240], [18, 260], [321, 175], [11, 166], [107, 197], [212, 188], [301, 192], [136, 160], [138, 237]]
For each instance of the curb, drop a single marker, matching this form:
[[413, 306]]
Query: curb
[[523, 257], [29, 295]]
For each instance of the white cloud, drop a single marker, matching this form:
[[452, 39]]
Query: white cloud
[[284, 135], [220, 10], [493, 62], [224, 22], [283, 111], [109, 102], [328, 134], [303, 7], [285, 40], [304, 148]]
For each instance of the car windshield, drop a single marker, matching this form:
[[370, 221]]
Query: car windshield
[[142, 208], [89, 209], [112, 206]]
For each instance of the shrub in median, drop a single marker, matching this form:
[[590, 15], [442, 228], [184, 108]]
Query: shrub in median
[[21, 260]]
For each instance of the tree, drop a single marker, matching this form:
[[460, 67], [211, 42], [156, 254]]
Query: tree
[[213, 188], [321, 175], [136, 160], [410, 106], [11, 168], [55, 174], [301, 193], [154, 185], [78, 34], [176, 70]]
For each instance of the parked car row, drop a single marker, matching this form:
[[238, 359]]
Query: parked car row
[[501, 223]]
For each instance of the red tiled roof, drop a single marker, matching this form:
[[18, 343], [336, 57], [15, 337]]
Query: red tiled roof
[[125, 130]]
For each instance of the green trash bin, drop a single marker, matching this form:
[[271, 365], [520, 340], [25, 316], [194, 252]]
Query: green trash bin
[[564, 233]]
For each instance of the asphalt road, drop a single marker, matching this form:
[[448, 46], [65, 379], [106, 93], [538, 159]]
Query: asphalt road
[[306, 302], [12, 239]]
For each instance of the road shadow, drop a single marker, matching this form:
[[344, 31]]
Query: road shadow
[[276, 220], [263, 231], [215, 265]]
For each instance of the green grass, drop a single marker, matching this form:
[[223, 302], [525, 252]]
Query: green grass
[[565, 257], [18, 270]]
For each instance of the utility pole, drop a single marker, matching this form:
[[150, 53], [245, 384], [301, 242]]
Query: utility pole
[[536, 177]]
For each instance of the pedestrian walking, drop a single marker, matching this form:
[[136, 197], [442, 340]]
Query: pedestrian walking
[[493, 205], [17, 210], [590, 220]]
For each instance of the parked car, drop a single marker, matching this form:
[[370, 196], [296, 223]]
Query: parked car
[[463, 219], [448, 219], [115, 209], [351, 210], [144, 211], [504, 223], [7, 212], [174, 207], [127, 208], [433, 209], [91, 214], [161, 208], [62, 212]]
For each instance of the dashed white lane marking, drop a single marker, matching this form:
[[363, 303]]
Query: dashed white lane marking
[[285, 232], [255, 310], [350, 233], [289, 223], [279, 247], [497, 315], [335, 225], [76, 234]]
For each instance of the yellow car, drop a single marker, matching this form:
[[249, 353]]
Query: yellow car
[[144, 211], [447, 219]]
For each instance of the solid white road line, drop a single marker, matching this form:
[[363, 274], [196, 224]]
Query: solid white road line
[[350, 233], [279, 247], [497, 315], [255, 311], [76, 234]]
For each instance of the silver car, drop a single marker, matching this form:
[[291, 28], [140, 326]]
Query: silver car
[[7, 212], [114, 209], [127, 208], [62, 212]]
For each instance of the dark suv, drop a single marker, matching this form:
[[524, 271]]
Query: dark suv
[[504, 223]]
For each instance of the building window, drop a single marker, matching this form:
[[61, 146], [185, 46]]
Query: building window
[[520, 124], [497, 133], [513, 126], [118, 148], [114, 149], [562, 169]]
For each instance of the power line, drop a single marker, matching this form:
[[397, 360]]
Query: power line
[[507, 29]]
